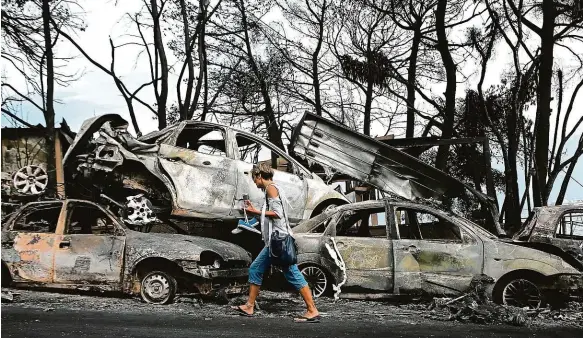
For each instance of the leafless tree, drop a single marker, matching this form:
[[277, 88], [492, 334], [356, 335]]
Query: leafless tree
[[28, 47]]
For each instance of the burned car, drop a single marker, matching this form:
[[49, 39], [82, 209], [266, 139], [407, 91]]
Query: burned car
[[191, 169], [340, 150], [76, 244], [390, 247], [560, 225]]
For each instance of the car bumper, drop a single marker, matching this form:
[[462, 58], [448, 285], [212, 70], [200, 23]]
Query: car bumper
[[208, 273]]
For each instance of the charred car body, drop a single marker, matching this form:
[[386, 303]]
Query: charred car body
[[191, 169], [77, 244], [418, 249], [560, 225], [341, 150]]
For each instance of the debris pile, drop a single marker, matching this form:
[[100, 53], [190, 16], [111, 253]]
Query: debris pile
[[476, 307], [572, 313], [9, 296]]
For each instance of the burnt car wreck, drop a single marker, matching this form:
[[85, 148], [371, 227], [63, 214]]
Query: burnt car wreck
[[341, 150], [419, 249], [399, 246], [76, 244], [561, 226], [192, 169], [423, 250]]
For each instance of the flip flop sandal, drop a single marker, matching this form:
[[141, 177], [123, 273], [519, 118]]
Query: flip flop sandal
[[240, 311], [303, 319]]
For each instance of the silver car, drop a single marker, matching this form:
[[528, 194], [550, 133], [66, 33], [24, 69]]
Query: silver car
[[384, 248], [190, 169]]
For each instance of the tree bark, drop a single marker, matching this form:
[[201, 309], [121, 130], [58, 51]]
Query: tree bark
[[315, 59], [185, 105], [49, 111], [161, 52], [450, 71], [565, 184], [543, 109], [512, 219], [411, 76]]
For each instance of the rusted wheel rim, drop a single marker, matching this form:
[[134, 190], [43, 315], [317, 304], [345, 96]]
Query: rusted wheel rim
[[156, 288], [316, 279], [522, 293], [31, 180]]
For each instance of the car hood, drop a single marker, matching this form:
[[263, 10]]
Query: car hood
[[87, 129], [113, 131], [181, 247], [542, 248], [342, 150]]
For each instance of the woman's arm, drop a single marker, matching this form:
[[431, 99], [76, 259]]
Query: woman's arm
[[250, 209]]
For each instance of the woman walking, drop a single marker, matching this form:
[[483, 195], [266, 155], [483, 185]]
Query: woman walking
[[273, 213]]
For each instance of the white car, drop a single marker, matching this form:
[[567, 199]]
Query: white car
[[190, 169]]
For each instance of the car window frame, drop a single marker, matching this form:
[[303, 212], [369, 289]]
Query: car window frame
[[119, 229], [304, 172], [212, 127], [23, 212], [468, 237], [558, 223], [332, 230]]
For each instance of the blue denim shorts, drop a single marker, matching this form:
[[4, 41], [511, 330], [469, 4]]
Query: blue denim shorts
[[263, 262]]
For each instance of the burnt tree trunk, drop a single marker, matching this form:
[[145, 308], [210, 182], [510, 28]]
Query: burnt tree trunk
[[543, 109], [411, 76], [185, 106], [512, 219], [315, 58], [49, 109], [450, 71], [160, 51], [273, 131]]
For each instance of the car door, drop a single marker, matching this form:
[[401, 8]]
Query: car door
[[294, 186], [569, 232], [204, 177], [91, 249], [365, 248], [433, 252], [28, 242]]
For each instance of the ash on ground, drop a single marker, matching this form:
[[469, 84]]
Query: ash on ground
[[286, 304]]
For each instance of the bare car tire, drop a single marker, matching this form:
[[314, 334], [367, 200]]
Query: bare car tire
[[519, 291], [318, 279], [158, 287]]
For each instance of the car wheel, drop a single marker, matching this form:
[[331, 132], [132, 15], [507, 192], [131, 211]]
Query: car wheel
[[317, 279], [520, 292], [158, 287]]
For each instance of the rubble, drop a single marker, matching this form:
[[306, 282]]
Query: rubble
[[282, 305], [467, 309], [8, 296]]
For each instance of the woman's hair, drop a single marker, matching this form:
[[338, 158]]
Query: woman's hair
[[264, 170]]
